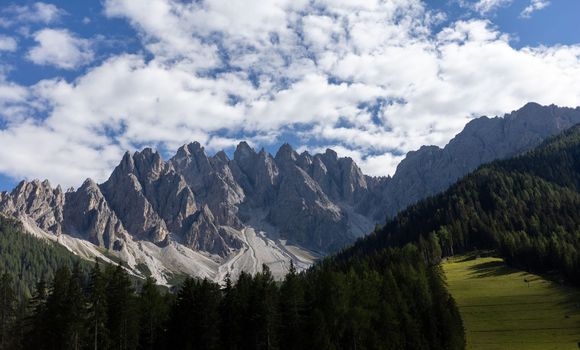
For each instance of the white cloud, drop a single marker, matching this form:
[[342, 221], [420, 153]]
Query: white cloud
[[38, 12], [12, 102], [484, 7], [535, 5], [60, 48], [370, 78], [7, 43]]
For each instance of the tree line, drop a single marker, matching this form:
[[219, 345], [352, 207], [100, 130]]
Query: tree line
[[30, 259], [527, 207], [389, 300]]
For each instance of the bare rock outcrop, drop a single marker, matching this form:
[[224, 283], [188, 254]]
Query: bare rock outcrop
[[88, 215]]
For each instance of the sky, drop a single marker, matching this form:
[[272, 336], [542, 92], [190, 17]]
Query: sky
[[82, 82]]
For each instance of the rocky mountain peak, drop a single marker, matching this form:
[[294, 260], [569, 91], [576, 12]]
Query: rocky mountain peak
[[431, 169], [195, 147], [182, 152], [221, 156], [244, 153], [127, 164], [87, 214], [38, 201], [330, 155], [286, 155], [148, 165], [88, 184], [304, 160]]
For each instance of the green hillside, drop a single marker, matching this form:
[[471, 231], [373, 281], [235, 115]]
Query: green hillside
[[27, 259], [528, 208], [501, 311]]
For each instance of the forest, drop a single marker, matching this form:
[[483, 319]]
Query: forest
[[392, 299], [29, 259], [527, 208]]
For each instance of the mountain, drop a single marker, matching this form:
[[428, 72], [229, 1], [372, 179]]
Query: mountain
[[209, 215], [431, 169], [527, 207], [203, 215]]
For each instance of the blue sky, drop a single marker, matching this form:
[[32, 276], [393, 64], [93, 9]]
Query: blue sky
[[81, 82], [555, 24]]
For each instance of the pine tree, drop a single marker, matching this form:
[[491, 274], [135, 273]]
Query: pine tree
[[229, 317], [7, 310], [263, 310], [195, 316], [34, 325], [77, 310], [121, 310], [291, 310], [152, 316], [97, 311], [58, 311]]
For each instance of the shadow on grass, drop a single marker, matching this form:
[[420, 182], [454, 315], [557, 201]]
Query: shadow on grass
[[477, 254], [491, 269], [571, 301]]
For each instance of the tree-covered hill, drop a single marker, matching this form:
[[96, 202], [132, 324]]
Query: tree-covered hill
[[28, 259], [390, 300], [527, 207]]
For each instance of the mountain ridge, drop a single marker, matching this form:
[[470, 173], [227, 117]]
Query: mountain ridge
[[526, 207], [257, 207]]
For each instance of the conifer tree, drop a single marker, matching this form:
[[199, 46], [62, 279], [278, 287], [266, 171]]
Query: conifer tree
[[77, 309], [121, 310], [34, 325], [291, 310], [58, 311], [97, 310], [264, 313], [152, 316], [7, 310], [229, 317]]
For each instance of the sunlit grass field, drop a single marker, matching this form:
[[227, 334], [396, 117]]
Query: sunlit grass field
[[500, 310]]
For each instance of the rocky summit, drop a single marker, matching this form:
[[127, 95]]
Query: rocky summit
[[209, 215]]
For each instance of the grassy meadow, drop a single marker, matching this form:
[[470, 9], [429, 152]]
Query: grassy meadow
[[504, 308]]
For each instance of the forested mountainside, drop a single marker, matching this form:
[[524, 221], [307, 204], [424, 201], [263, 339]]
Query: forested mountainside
[[527, 207], [28, 259], [388, 300]]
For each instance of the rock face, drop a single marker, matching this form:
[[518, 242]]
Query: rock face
[[432, 169], [126, 192], [39, 201], [203, 234], [87, 214], [153, 199], [320, 202]]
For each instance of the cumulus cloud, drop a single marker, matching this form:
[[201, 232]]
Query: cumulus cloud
[[38, 12], [487, 6], [372, 79], [7, 43], [484, 7], [60, 48], [13, 98], [535, 5]]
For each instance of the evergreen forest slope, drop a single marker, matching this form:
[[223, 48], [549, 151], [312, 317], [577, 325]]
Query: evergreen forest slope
[[527, 207], [28, 259]]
